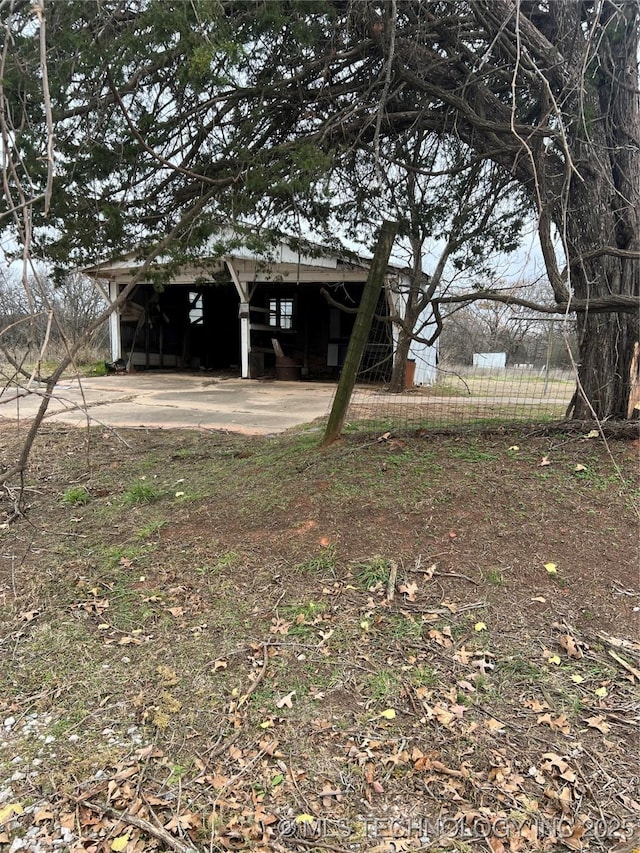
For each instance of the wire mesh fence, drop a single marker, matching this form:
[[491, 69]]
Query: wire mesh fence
[[465, 383]]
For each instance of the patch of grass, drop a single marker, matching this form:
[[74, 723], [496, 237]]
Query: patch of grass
[[141, 492], [76, 495], [96, 368], [520, 669], [322, 564], [304, 617], [226, 560], [382, 686], [114, 555], [151, 529], [375, 571], [424, 676], [494, 577], [203, 607], [472, 454], [405, 628], [594, 478]]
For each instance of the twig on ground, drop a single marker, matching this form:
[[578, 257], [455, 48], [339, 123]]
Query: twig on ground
[[391, 583], [323, 846], [254, 686], [220, 746], [158, 832], [456, 575]]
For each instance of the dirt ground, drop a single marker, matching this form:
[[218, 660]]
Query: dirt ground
[[214, 642]]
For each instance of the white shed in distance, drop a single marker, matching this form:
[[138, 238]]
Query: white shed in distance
[[490, 360]]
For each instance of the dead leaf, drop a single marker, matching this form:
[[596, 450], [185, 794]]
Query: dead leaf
[[463, 656], [442, 638], [176, 611], [410, 590], [483, 664], [9, 811], [496, 845], [545, 461], [29, 615], [600, 723], [328, 794], [569, 644], [559, 723], [535, 705], [286, 701], [43, 814], [444, 717]]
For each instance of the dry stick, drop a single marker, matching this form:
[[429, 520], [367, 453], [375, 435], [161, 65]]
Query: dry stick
[[308, 843], [454, 575], [156, 832], [391, 583], [221, 745], [261, 674]]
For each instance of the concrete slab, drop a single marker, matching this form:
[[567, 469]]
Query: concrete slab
[[176, 401]]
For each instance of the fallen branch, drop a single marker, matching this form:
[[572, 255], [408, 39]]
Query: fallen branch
[[391, 583], [456, 575], [260, 676], [132, 820]]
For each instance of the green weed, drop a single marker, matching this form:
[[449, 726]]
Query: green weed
[[141, 493], [424, 676], [472, 454], [76, 495], [494, 577], [405, 628], [375, 571], [382, 685], [322, 563], [150, 529]]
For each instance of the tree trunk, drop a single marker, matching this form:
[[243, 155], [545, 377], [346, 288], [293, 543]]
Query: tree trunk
[[602, 216], [398, 374], [605, 343]]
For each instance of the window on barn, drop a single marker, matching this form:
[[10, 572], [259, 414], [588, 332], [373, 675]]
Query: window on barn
[[281, 312], [196, 313]]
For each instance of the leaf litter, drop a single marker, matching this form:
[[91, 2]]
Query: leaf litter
[[280, 723]]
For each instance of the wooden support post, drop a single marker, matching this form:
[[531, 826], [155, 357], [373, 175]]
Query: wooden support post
[[633, 410], [114, 324], [361, 329], [242, 289]]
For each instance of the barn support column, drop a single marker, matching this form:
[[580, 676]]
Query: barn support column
[[244, 295], [114, 324]]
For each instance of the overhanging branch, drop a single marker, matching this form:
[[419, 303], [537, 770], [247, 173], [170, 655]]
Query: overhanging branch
[[612, 304]]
